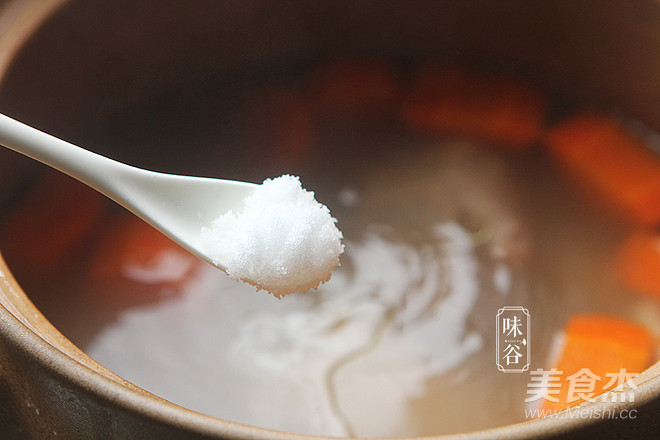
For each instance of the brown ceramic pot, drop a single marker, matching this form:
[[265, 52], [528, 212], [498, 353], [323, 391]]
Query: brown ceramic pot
[[82, 60]]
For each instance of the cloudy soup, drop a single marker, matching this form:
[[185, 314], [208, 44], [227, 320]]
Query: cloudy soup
[[492, 229]]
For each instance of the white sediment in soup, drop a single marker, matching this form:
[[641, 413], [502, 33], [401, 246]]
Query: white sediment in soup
[[283, 240], [351, 359], [344, 361]]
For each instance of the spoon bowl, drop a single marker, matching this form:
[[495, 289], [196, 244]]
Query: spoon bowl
[[178, 206]]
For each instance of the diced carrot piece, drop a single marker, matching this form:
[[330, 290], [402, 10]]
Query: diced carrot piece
[[613, 163], [51, 224], [288, 123], [449, 100], [132, 251], [638, 263], [603, 345], [356, 88]]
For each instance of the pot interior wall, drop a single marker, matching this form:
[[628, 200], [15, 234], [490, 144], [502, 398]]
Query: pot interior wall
[[91, 63]]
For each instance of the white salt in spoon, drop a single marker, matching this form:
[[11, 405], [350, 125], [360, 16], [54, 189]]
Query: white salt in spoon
[[178, 206]]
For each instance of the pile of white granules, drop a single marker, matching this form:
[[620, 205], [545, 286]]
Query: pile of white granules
[[283, 240]]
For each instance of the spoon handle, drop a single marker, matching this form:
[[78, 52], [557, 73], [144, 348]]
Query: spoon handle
[[179, 206], [95, 170]]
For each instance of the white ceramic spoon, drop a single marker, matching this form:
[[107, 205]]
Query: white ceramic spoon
[[176, 205]]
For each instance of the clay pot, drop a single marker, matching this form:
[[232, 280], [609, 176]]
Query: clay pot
[[87, 61]]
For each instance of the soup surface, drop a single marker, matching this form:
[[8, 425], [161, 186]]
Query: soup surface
[[453, 204]]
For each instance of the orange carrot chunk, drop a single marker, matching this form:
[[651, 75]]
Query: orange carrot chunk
[[603, 345], [51, 224], [133, 251], [449, 100], [354, 88], [288, 124], [611, 162], [638, 263]]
